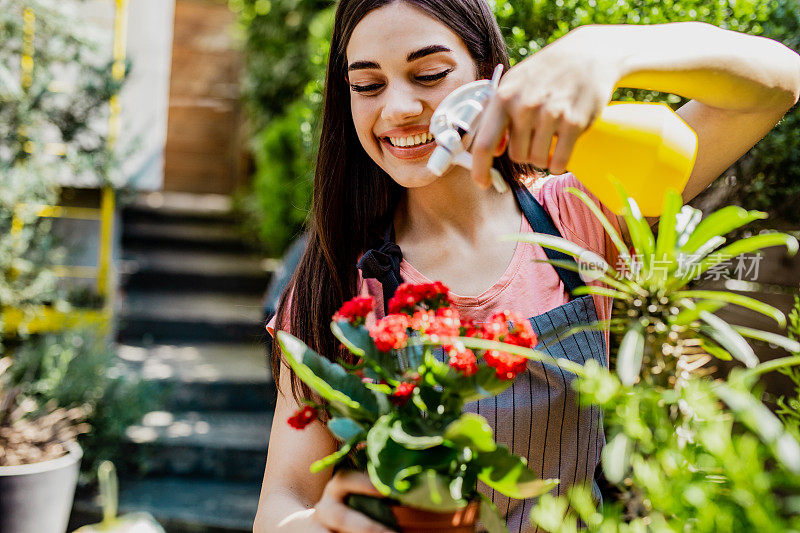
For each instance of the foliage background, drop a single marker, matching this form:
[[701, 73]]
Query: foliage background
[[286, 45], [53, 126]]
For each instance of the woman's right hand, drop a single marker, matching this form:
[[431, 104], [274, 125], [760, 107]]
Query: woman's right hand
[[333, 513]]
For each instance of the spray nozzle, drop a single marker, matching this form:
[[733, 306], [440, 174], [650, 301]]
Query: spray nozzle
[[453, 126]]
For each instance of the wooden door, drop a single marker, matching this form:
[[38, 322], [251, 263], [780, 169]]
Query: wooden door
[[204, 143]]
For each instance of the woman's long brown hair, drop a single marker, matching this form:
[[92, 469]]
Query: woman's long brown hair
[[353, 197]]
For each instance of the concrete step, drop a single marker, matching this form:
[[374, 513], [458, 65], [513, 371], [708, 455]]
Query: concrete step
[[184, 235], [228, 445], [181, 505], [177, 318], [168, 205], [196, 270], [203, 377]]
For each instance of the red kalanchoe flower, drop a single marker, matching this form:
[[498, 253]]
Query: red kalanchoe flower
[[506, 365], [355, 310], [303, 417], [521, 333], [390, 332], [421, 320], [470, 329], [497, 327], [463, 360], [409, 296], [402, 393]]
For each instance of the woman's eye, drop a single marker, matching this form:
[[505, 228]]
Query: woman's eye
[[366, 88], [434, 77]]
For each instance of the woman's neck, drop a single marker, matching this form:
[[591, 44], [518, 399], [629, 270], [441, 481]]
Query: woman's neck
[[451, 204]]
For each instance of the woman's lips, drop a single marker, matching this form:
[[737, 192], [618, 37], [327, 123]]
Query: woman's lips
[[408, 152]]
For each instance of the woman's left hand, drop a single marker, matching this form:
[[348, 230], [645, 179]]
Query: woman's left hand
[[559, 91]]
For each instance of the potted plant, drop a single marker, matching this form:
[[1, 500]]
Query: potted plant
[[398, 410], [686, 452], [39, 461]]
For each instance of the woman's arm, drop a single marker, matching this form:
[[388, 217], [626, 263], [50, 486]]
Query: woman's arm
[[740, 85], [289, 490], [292, 498]]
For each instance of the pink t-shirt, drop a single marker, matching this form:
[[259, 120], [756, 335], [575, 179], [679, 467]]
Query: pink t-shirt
[[526, 288]]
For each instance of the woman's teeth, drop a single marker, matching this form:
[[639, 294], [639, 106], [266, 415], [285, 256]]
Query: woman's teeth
[[411, 140]]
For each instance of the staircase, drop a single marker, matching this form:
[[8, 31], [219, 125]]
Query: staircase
[[191, 323]]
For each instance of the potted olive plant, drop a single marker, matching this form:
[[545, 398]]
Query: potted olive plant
[[39, 461], [398, 411], [686, 451]]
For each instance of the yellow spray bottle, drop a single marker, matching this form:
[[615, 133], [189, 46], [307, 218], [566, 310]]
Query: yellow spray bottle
[[644, 146]]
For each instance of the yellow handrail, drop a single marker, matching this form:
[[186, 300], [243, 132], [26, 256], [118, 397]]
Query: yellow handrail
[[46, 318]]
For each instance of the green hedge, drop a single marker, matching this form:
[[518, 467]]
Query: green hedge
[[286, 65]]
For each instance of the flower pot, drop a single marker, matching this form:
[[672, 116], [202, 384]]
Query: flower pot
[[38, 497], [412, 520]]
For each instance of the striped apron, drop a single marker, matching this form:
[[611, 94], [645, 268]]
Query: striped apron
[[538, 416]]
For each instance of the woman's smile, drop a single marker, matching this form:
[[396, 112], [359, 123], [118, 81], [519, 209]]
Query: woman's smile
[[410, 146]]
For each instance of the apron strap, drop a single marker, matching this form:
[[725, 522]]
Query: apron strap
[[540, 222], [382, 260]]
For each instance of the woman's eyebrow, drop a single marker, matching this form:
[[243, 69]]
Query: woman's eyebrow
[[413, 56]]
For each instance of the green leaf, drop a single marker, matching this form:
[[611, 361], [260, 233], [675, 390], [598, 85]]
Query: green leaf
[[562, 245], [431, 492], [328, 379], [790, 345], [330, 460], [715, 349], [693, 310], [615, 458], [344, 428], [641, 235], [742, 246], [667, 231], [399, 434], [471, 430], [491, 518], [767, 426], [359, 342], [483, 384], [390, 463], [509, 474], [629, 357], [725, 335], [719, 223], [601, 291], [737, 299], [599, 215], [625, 286]]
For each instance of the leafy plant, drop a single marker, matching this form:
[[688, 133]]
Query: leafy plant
[[684, 452], [76, 370], [30, 433], [398, 409]]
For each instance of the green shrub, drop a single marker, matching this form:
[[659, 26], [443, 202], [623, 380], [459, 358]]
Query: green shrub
[[75, 369]]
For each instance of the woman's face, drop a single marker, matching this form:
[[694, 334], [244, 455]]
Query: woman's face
[[401, 64]]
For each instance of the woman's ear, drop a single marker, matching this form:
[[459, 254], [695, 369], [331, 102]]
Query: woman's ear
[[502, 146]]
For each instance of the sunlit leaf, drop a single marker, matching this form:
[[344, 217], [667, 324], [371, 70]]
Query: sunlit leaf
[[720, 223], [629, 357], [737, 299], [729, 339], [509, 474], [615, 458], [599, 215]]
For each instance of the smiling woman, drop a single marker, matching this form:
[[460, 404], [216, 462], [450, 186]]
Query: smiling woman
[[377, 208]]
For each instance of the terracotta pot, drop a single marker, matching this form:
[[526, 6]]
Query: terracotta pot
[[412, 520], [38, 496]]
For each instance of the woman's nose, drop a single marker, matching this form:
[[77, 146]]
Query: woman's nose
[[401, 104]]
